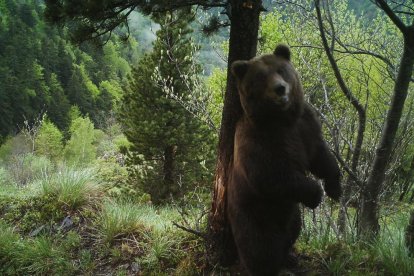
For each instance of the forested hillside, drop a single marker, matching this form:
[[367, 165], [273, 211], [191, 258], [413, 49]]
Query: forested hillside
[[117, 125], [42, 72]]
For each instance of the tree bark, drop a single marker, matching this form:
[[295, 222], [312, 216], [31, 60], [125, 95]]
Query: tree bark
[[244, 29], [369, 226]]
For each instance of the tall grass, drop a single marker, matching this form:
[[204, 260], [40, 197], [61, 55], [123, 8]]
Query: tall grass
[[386, 255], [163, 250], [7, 246], [119, 219], [73, 188], [390, 250], [38, 256], [41, 257]]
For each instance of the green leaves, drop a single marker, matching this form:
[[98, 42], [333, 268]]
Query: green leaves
[[80, 150]]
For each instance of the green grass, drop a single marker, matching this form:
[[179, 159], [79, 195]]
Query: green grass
[[162, 251], [390, 250], [115, 234], [119, 220], [334, 255], [73, 188], [31, 256]]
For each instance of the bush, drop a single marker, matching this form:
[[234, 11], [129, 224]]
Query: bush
[[49, 141], [80, 148], [25, 168]]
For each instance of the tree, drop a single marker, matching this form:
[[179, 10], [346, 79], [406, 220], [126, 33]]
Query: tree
[[360, 109], [369, 214], [95, 18], [162, 132], [368, 66], [49, 141], [41, 72], [79, 149]]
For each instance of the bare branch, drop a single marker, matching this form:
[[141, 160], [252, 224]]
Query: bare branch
[[192, 231]]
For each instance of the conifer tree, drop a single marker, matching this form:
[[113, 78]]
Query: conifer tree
[[161, 130]]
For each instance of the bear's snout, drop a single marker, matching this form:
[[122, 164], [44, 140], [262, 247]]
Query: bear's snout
[[280, 90]]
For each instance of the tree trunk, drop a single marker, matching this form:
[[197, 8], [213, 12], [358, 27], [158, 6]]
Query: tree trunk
[[368, 226], [168, 171], [243, 45]]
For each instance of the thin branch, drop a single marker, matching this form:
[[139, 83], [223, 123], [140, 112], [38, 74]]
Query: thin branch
[[335, 68], [391, 14]]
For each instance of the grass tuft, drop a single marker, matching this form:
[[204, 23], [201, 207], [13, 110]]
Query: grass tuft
[[119, 219], [73, 188]]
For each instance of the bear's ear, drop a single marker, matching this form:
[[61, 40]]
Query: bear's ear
[[282, 51], [239, 68]]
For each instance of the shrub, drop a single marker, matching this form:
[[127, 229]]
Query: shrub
[[49, 141], [25, 168], [80, 148]]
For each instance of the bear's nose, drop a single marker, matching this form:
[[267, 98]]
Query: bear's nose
[[280, 90]]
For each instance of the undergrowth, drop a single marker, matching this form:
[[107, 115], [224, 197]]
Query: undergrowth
[[124, 236]]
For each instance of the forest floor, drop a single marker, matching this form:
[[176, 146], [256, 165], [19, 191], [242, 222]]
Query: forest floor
[[68, 224]]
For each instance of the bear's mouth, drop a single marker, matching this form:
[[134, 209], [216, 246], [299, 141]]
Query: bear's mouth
[[282, 102]]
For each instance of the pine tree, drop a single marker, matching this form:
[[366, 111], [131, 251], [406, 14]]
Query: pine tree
[[160, 129]]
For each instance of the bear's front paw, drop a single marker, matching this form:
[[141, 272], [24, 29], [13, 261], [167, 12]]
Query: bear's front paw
[[333, 190], [313, 197]]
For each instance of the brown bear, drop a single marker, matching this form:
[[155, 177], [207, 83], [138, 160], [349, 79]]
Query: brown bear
[[277, 141]]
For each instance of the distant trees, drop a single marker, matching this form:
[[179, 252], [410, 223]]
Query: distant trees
[[41, 72], [164, 135]]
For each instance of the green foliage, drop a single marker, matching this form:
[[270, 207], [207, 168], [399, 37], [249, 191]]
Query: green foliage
[[80, 148], [40, 71], [49, 141], [217, 85], [170, 149]]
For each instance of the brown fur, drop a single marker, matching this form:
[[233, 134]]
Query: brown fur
[[277, 141]]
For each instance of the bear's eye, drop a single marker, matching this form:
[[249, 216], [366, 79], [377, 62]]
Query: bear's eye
[[280, 71]]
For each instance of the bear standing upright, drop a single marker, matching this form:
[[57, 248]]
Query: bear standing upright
[[277, 141]]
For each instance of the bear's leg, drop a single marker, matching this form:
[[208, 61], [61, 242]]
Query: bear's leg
[[293, 232], [261, 251]]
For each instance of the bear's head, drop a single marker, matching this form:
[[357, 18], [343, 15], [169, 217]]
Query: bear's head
[[269, 87]]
